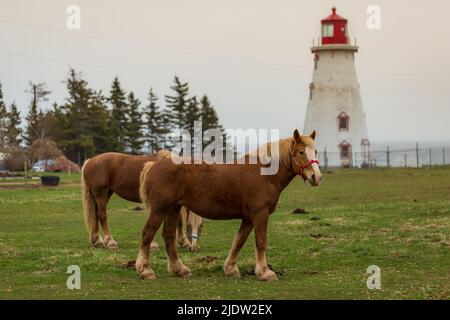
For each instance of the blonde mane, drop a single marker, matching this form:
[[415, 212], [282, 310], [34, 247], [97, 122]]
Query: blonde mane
[[281, 150]]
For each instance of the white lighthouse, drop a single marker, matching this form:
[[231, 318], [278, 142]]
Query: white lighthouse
[[335, 108]]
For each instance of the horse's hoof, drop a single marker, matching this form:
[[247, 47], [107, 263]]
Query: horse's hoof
[[268, 275], [147, 275], [180, 270], [194, 249], [112, 245], [184, 272], [98, 243], [184, 243], [232, 272]]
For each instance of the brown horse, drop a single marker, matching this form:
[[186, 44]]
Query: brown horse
[[110, 173], [220, 192]]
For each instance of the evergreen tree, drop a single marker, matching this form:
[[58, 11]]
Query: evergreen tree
[[209, 117], [3, 121], [39, 93], [177, 104], [156, 123], [118, 103], [133, 130], [14, 131], [210, 120], [99, 124], [75, 137], [192, 114]]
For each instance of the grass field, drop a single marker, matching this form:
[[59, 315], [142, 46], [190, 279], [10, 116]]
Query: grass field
[[397, 219]]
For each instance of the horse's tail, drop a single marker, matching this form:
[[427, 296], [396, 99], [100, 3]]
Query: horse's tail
[[143, 184], [89, 208]]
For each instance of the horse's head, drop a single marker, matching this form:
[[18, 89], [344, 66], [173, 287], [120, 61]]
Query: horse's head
[[304, 162]]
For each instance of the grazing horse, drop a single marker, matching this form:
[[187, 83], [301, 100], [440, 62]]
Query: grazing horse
[[110, 173], [222, 192]]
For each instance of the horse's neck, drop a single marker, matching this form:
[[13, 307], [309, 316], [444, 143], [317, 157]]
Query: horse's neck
[[283, 177]]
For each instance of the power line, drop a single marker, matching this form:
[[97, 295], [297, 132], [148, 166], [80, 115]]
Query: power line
[[228, 82], [193, 53]]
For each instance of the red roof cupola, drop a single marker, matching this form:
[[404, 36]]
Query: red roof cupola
[[334, 29]]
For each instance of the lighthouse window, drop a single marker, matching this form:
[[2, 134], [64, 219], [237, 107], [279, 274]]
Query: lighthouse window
[[328, 30], [343, 122]]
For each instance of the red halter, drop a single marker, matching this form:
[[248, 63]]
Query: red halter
[[302, 168]]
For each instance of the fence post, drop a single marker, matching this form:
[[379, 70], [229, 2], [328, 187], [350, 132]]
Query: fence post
[[443, 156], [325, 158], [388, 157], [429, 151], [25, 168], [417, 153], [405, 161]]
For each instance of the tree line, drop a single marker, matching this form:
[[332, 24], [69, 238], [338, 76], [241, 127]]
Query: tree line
[[90, 122]]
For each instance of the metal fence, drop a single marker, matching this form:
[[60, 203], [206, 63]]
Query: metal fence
[[414, 157]]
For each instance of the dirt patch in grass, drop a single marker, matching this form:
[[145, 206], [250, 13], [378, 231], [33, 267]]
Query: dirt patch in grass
[[300, 211], [130, 264], [208, 259], [8, 251]]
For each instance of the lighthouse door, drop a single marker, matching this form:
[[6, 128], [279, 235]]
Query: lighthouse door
[[346, 154]]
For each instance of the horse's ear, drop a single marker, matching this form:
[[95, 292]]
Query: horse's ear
[[297, 136], [313, 135]]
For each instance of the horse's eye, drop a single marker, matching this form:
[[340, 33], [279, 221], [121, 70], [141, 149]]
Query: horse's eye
[[301, 152]]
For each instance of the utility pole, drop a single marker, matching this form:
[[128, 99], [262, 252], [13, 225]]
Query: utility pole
[[417, 153], [388, 157], [430, 156]]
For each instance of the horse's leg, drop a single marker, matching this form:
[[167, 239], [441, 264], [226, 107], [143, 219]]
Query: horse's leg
[[175, 265], [230, 267], [95, 238], [262, 271], [182, 219], [102, 201], [195, 221], [148, 233]]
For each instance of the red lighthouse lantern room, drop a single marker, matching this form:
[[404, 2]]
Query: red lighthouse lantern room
[[334, 29]]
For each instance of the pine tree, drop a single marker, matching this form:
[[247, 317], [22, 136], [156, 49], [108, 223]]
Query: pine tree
[[14, 131], [192, 114], [3, 121], [177, 104], [75, 137], [99, 124], [210, 120], [209, 117], [155, 123], [118, 103], [133, 130], [39, 93]]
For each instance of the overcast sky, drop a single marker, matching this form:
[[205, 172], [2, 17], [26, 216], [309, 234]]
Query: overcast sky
[[252, 57]]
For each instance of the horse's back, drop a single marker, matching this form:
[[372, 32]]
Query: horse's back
[[116, 172]]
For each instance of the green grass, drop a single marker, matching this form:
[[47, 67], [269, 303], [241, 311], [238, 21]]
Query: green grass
[[397, 219]]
